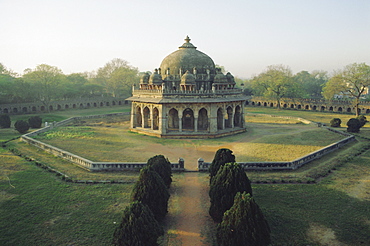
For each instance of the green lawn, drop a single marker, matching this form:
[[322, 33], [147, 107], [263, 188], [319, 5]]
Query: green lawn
[[37, 208]]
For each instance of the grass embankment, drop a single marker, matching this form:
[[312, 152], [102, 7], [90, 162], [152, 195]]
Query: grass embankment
[[36, 208]]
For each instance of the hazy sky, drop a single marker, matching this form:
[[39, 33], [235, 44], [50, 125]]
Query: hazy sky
[[243, 36]]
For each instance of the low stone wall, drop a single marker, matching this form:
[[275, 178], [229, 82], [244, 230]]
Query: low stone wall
[[202, 166], [40, 107], [289, 165], [83, 162]]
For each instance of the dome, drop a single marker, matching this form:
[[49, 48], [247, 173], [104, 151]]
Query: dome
[[144, 78], [155, 78], [187, 79], [220, 78], [230, 78], [188, 58]]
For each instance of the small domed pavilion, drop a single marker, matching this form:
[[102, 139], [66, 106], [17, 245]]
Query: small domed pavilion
[[187, 97]]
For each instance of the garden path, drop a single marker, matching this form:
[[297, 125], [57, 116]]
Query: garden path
[[192, 219]]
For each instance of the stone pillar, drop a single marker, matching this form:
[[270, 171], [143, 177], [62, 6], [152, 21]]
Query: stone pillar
[[196, 122], [200, 164], [151, 120], [242, 120], [232, 119], [212, 119], [181, 163], [162, 126], [133, 114], [142, 117], [180, 122]]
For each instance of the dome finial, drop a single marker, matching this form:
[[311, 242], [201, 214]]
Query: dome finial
[[187, 39]]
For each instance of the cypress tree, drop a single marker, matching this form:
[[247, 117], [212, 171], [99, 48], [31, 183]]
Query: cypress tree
[[229, 180], [162, 166], [138, 227], [243, 224], [222, 157], [151, 190]]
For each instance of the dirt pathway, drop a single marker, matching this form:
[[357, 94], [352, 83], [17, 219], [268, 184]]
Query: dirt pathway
[[192, 220]]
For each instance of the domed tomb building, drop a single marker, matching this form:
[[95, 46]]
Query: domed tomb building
[[187, 97]]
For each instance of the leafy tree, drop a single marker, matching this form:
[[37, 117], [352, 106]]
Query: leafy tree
[[276, 82], [243, 224], [311, 83], [353, 125], [362, 119], [222, 157], [162, 166], [138, 227], [335, 122], [229, 180], [21, 126], [117, 76], [5, 121], [73, 86], [45, 81], [151, 190], [351, 82], [35, 121]]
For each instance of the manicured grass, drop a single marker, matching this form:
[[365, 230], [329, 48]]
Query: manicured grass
[[37, 208], [316, 116], [267, 141], [62, 115]]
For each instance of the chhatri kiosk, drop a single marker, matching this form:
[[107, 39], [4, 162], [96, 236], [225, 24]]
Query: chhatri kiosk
[[187, 97]]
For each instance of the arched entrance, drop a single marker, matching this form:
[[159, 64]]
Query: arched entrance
[[220, 119], [173, 119], [155, 119], [228, 121], [138, 117], [203, 119], [237, 117], [188, 119], [146, 113]]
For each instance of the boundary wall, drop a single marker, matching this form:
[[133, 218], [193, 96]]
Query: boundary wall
[[83, 162], [335, 106], [290, 165], [202, 166], [40, 107]]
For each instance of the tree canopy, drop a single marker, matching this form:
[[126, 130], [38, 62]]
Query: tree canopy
[[162, 166], [229, 180], [276, 82], [151, 190], [243, 224], [138, 227], [222, 157], [117, 77], [351, 82]]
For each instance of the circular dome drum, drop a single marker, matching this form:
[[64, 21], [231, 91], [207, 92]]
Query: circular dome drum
[[188, 58]]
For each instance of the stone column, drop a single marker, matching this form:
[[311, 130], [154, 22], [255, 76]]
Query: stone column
[[196, 122], [142, 117], [133, 114], [232, 119], [180, 122], [212, 119], [242, 120], [151, 120], [162, 125]]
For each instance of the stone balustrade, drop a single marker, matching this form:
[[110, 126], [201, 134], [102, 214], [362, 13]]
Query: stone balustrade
[[288, 165], [83, 162], [167, 92]]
